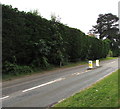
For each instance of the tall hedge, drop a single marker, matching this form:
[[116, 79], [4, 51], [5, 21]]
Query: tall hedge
[[30, 40]]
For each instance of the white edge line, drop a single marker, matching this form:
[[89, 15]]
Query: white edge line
[[84, 88], [59, 79], [4, 97], [61, 100], [105, 76]]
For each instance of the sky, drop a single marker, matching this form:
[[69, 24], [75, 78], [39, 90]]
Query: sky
[[80, 14]]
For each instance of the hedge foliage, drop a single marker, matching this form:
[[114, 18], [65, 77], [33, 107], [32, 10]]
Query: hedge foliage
[[30, 40]]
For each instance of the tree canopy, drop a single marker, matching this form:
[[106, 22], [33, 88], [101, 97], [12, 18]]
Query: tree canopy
[[32, 41], [107, 28]]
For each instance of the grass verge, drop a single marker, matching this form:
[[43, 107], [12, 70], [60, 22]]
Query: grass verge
[[51, 68], [102, 94]]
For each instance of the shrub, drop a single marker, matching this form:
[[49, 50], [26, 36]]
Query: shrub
[[30, 40], [15, 69]]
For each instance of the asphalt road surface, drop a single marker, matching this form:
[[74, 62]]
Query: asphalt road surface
[[44, 90]]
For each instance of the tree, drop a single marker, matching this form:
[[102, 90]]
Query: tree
[[57, 45], [107, 26], [55, 18], [35, 12], [33, 41]]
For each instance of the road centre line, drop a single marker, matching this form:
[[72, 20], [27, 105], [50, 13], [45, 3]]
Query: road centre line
[[78, 73], [114, 61], [73, 74], [111, 62], [4, 97], [59, 79]]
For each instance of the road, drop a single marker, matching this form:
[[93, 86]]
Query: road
[[46, 89]]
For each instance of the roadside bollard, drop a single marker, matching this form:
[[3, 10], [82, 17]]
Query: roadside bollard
[[97, 63], [90, 64]]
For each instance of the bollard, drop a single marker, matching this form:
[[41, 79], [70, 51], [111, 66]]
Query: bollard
[[90, 64], [97, 63]]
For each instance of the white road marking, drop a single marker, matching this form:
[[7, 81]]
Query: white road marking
[[111, 62], [4, 97], [105, 76], [74, 73], [86, 71], [59, 79], [61, 100], [78, 73]]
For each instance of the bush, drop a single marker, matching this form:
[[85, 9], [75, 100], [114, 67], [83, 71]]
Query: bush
[[15, 69], [116, 52], [28, 39], [110, 54]]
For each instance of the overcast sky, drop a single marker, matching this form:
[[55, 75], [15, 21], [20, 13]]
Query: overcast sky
[[81, 14]]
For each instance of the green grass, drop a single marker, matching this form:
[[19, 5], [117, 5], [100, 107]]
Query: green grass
[[108, 58], [102, 94], [51, 68]]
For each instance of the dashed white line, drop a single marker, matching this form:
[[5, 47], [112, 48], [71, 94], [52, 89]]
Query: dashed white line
[[59, 79], [4, 97], [111, 62], [78, 73], [73, 74], [86, 70]]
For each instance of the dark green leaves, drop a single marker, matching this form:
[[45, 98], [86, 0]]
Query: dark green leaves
[[30, 40]]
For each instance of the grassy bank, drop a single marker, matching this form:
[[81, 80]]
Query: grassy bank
[[51, 68], [102, 94]]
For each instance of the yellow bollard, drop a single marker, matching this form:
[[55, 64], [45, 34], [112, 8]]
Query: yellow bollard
[[90, 64]]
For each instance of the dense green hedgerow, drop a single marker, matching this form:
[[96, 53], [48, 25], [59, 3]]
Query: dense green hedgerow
[[16, 69], [30, 40]]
